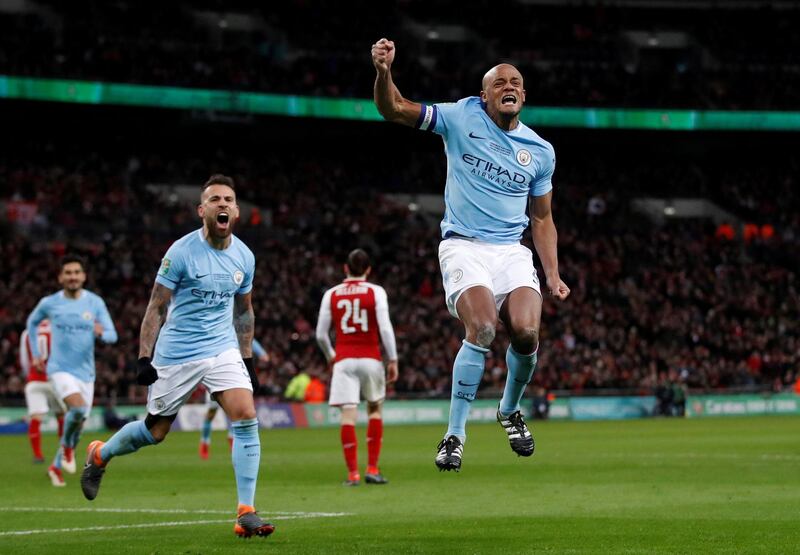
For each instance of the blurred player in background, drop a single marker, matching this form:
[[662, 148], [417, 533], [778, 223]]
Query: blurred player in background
[[39, 394], [359, 311], [202, 298], [497, 168], [77, 317], [212, 407]]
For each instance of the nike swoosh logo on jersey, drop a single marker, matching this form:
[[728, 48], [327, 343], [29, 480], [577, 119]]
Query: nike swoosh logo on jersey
[[468, 384], [199, 276], [473, 136]]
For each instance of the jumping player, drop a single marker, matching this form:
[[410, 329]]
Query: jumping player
[[359, 312], [497, 168]]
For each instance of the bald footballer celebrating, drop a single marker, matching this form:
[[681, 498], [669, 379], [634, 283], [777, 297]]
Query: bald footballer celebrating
[[497, 169]]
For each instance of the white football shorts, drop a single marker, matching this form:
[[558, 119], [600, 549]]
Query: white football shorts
[[65, 384], [176, 382], [355, 376], [468, 263], [41, 398]]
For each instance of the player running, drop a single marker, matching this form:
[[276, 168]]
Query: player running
[[359, 311], [40, 397], [212, 407], [201, 312], [497, 168], [77, 317]]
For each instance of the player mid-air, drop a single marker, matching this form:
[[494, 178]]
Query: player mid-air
[[496, 169], [201, 314], [77, 319], [359, 312]]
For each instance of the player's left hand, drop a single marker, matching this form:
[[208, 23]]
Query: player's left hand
[[146, 373], [558, 288], [98, 329], [392, 371]]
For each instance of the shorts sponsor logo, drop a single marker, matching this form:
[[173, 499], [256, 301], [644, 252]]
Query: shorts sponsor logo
[[457, 275], [238, 277], [165, 264], [524, 157]]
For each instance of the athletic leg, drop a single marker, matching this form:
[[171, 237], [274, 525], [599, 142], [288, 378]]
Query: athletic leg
[[476, 309], [374, 442], [521, 314]]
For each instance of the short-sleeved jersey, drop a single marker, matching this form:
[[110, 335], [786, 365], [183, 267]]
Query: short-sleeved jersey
[[490, 172], [43, 338], [72, 328], [353, 306], [204, 281]]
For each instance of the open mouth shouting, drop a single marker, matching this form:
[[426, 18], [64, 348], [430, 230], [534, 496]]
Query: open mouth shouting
[[223, 220], [508, 100]]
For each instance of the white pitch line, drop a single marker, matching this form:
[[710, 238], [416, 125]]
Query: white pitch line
[[282, 516], [286, 514], [117, 527]]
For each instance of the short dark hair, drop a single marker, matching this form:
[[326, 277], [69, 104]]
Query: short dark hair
[[70, 258], [357, 262], [219, 179]]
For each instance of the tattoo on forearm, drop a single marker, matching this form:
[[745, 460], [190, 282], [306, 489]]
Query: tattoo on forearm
[[154, 318], [244, 324]]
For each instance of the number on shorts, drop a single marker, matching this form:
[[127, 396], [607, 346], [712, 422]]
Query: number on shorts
[[352, 309]]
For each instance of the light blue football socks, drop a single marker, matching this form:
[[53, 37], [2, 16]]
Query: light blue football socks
[[128, 439], [246, 455], [206, 431], [467, 373], [73, 422], [520, 372]]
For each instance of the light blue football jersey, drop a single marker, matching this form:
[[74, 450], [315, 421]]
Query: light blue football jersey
[[490, 172], [72, 323], [204, 281]]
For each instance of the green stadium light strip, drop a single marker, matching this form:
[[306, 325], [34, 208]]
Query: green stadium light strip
[[121, 94]]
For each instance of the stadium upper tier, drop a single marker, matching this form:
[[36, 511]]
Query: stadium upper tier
[[686, 56]]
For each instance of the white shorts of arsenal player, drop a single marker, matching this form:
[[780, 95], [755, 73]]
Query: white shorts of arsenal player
[[41, 398], [355, 376], [467, 263]]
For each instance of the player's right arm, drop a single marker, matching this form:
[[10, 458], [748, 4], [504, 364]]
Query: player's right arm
[[324, 327], [39, 313], [391, 104], [154, 318]]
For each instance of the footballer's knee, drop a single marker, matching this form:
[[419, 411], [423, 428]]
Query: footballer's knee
[[158, 426], [374, 409], [242, 413], [525, 340], [484, 334]]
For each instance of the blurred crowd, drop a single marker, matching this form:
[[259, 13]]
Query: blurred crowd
[[709, 56], [650, 304]]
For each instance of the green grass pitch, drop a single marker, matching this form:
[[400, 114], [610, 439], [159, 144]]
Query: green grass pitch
[[729, 485]]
